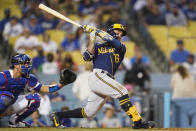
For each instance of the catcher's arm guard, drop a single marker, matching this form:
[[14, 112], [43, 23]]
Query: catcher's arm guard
[[67, 76]]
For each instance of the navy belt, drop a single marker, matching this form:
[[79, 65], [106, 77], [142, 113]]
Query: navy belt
[[108, 74]]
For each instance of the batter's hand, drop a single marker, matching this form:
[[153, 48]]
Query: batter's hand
[[88, 28]]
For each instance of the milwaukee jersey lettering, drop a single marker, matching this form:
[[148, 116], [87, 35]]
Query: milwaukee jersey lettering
[[108, 58]]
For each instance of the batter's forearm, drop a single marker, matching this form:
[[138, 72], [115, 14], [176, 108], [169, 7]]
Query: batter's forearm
[[88, 54], [107, 37], [90, 48], [104, 35]]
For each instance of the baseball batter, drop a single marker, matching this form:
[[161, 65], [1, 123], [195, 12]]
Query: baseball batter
[[106, 58]]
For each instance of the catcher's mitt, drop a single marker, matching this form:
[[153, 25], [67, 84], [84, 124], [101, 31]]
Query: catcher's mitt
[[67, 76]]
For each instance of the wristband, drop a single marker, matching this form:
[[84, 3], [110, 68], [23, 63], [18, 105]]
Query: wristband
[[87, 56], [54, 88]]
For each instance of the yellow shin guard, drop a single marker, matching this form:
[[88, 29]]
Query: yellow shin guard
[[133, 112]]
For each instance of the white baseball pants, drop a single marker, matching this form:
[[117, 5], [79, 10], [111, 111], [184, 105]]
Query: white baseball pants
[[102, 86]]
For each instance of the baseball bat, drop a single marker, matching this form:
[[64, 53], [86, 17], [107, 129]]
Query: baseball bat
[[57, 14]]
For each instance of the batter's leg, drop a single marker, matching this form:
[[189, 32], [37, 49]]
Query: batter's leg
[[94, 104], [103, 84]]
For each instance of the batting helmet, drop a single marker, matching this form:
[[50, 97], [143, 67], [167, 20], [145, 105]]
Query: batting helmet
[[25, 62], [113, 27]]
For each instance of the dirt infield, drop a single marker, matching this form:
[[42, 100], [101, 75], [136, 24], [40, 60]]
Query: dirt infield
[[96, 129]]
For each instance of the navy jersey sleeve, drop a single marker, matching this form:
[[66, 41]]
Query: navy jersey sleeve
[[33, 83], [96, 49], [2, 79], [123, 49]]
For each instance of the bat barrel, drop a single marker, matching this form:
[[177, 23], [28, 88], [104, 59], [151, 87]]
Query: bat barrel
[[57, 14]]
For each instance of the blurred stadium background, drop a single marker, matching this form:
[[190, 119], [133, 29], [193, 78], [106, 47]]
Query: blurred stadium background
[[161, 36]]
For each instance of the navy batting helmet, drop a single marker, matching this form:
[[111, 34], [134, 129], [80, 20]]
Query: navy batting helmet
[[113, 27], [25, 62]]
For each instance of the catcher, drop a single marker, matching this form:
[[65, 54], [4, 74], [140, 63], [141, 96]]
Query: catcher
[[106, 58], [15, 80]]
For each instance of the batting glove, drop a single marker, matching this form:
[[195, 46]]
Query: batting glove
[[88, 28]]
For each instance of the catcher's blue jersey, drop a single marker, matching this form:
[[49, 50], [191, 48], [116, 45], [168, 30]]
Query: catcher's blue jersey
[[107, 57], [16, 86]]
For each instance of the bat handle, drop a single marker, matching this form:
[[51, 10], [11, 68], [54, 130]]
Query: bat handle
[[82, 27]]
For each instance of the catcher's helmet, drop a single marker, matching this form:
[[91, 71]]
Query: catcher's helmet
[[25, 62], [113, 27]]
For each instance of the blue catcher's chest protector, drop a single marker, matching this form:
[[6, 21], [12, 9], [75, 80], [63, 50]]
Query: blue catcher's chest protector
[[15, 86]]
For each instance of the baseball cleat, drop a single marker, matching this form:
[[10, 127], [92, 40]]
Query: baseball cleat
[[143, 125], [20, 124], [55, 119], [61, 127]]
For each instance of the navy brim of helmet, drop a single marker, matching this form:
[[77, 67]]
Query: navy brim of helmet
[[124, 32]]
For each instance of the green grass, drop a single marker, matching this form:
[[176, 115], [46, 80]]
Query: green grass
[[94, 129]]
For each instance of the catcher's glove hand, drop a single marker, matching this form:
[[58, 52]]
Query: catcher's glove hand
[[67, 76]]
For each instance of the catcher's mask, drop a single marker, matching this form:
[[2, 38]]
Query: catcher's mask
[[25, 62], [113, 27]]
